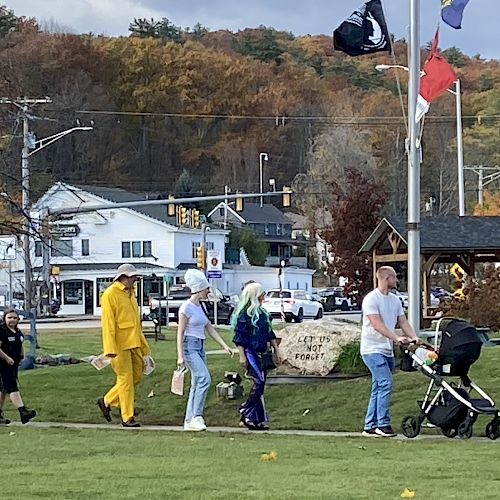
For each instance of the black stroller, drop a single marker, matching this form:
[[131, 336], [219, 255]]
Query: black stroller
[[446, 405]]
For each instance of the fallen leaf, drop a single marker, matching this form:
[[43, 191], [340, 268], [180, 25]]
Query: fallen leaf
[[407, 493], [269, 457], [306, 411], [12, 433], [362, 448], [151, 394]]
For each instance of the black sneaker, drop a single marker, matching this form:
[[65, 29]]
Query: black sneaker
[[26, 415], [105, 410], [370, 432], [131, 423], [3, 420], [386, 431]]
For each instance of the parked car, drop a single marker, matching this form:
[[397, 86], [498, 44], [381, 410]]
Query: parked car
[[337, 300], [297, 305], [225, 306], [403, 297]]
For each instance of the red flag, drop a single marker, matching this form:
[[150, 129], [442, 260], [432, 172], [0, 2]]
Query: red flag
[[437, 77]]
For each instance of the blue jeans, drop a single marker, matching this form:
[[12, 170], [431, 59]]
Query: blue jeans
[[381, 367], [196, 361]]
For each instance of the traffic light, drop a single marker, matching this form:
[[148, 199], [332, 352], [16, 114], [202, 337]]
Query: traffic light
[[239, 204], [287, 196], [183, 216], [200, 257], [195, 218], [171, 207]]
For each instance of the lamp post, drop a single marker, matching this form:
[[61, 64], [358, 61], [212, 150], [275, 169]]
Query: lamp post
[[262, 157], [35, 146]]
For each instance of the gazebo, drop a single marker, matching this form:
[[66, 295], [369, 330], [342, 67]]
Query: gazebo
[[465, 240]]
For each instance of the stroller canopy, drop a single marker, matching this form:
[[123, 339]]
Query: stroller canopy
[[460, 346]]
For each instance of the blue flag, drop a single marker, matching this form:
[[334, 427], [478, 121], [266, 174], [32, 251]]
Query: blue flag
[[452, 12]]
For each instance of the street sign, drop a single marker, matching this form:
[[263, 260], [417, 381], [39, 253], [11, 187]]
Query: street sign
[[64, 230], [214, 264], [8, 248]]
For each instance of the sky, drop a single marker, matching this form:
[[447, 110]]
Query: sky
[[479, 33]]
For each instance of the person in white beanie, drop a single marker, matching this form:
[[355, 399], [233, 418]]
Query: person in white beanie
[[192, 328]]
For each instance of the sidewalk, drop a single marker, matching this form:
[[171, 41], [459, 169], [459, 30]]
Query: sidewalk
[[233, 430]]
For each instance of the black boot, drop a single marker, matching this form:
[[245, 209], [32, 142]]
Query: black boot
[[26, 415], [3, 420]]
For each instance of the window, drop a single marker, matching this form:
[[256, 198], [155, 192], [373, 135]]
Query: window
[[62, 248], [276, 295], [125, 249], [210, 245], [136, 249], [266, 228], [221, 211], [147, 250], [85, 247], [73, 293], [102, 284], [38, 249], [279, 229], [194, 246]]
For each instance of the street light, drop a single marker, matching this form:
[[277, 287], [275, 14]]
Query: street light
[[460, 146], [35, 146], [262, 157]]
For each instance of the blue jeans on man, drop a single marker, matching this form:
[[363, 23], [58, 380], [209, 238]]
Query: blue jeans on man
[[196, 361], [381, 367]]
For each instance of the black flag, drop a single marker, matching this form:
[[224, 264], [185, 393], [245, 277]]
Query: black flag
[[364, 32]]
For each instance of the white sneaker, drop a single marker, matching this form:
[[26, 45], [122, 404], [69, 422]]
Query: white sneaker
[[196, 424]]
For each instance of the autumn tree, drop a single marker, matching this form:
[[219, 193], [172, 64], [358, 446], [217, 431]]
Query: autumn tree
[[355, 207], [255, 247], [491, 204]]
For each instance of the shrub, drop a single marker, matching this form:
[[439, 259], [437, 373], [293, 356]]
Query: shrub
[[350, 360]]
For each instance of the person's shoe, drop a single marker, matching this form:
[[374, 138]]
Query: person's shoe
[[26, 415], [3, 420], [196, 424], [131, 423], [370, 432], [105, 410], [386, 431]]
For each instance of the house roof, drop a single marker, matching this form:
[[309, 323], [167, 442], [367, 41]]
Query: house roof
[[450, 232], [118, 195], [253, 212]]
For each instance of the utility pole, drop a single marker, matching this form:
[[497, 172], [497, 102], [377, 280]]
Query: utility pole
[[226, 191], [484, 180]]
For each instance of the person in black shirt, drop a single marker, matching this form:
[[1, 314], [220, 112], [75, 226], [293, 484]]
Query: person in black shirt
[[252, 335], [11, 354]]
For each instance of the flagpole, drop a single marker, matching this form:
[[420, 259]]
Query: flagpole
[[460, 150], [413, 226]]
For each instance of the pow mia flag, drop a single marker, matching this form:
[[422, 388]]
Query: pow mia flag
[[364, 32]]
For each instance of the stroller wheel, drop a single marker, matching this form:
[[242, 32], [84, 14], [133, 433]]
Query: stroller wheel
[[492, 429], [449, 433], [465, 430], [410, 426]]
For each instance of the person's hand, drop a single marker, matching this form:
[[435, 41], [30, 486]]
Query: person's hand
[[276, 357], [416, 340], [402, 339], [229, 351], [243, 360], [180, 362], [9, 361]]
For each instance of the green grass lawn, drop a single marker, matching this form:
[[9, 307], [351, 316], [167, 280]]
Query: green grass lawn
[[86, 464], [68, 393]]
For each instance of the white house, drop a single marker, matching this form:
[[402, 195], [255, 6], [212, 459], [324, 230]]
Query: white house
[[87, 248]]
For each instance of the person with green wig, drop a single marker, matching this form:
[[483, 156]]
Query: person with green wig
[[253, 334]]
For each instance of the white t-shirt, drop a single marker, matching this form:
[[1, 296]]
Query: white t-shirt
[[389, 308], [196, 319]]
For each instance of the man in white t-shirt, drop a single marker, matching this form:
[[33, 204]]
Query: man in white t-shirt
[[382, 311]]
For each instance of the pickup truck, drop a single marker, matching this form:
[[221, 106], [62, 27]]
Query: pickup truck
[[178, 295], [335, 299]]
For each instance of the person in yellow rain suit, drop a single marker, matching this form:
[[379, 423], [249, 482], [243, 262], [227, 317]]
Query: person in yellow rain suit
[[123, 342]]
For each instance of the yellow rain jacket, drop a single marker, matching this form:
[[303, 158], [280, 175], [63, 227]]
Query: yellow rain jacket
[[121, 326]]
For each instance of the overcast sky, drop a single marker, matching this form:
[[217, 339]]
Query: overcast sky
[[479, 33]]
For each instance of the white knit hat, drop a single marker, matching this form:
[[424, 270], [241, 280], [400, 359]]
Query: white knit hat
[[128, 270], [196, 280]]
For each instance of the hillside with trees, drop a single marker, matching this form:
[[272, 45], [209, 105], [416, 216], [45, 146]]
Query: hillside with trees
[[167, 101]]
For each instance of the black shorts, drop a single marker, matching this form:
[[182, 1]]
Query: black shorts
[[8, 378]]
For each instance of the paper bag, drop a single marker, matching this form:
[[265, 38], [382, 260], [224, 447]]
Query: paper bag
[[149, 365], [177, 384], [100, 362]]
